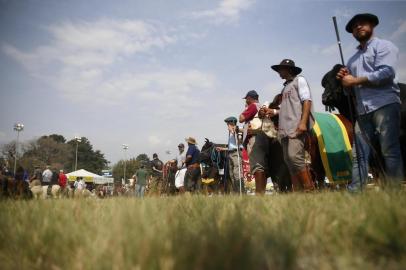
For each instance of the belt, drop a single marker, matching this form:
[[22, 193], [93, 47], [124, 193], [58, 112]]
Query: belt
[[194, 165]]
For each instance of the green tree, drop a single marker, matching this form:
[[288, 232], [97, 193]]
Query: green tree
[[46, 151], [132, 165], [53, 150], [8, 153], [143, 159], [58, 138], [88, 158]]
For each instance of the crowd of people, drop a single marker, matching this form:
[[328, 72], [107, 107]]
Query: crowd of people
[[369, 78], [188, 172], [47, 182]]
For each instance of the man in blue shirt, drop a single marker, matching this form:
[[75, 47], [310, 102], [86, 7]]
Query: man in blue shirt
[[233, 156], [370, 73], [192, 176]]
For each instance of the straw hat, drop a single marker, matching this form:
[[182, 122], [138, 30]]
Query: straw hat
[[191, 140]]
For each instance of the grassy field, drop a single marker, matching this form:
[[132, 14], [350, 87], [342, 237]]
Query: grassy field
[[295, 231]]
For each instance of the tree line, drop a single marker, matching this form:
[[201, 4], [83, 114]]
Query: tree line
[[54, 150], [132, 165]]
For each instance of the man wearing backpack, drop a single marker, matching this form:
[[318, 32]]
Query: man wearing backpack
[[370, 75], [157, 179]]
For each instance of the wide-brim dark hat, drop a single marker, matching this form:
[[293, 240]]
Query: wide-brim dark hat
[[363, 16], [287, 63]]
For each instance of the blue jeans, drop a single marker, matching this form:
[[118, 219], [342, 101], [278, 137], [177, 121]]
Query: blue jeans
[[383, 126], [139, 190]]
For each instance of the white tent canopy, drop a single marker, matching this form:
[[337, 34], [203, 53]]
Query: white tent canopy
[[82, 173], [89, 177]]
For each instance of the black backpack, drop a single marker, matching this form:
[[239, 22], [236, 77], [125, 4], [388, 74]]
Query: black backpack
[[333, 95], [157, 164]]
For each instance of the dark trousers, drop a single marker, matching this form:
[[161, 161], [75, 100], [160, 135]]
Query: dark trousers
[[192, 179]]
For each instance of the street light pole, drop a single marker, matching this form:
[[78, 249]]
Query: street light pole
[[78, 140], [17, 127], [125, 147]]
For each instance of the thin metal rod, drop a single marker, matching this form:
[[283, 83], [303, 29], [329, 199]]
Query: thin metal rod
[[76, 156], [349, 96], [16, 152], [225, 172], [125, 165], [239, 161], [338, 40]]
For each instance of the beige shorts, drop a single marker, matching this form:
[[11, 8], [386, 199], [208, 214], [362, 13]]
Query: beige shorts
[[259, 153], [294, 153]]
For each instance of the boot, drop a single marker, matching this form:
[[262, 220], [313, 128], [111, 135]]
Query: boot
[[260, 182], [296, 184], [305, 179], [181, 190]]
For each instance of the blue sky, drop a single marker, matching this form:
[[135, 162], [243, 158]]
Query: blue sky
[[150, 73]]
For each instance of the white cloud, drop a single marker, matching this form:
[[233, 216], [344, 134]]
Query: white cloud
[[272, 89], [343, 13], [92, 61], [90, 44], [328, 50], [227, 11], [154, 140], [400, 31], [160, 141], [333, 50], [165, 87], [3, 136]]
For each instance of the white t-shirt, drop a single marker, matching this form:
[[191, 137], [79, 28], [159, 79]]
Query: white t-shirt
[[47, 176], [303, 89], [181, 158], [80, 185]]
